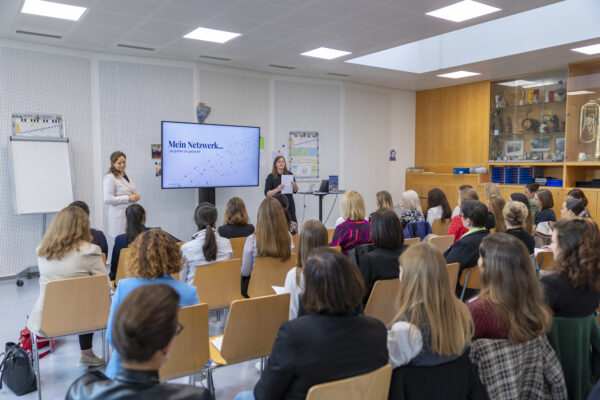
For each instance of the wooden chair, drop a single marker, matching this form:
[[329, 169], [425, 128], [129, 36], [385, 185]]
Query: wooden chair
[[104, 259], [218, 284], [469, 279], [337, 248], [453, 274], [544, 260], [442, 242], [180, 244], [374, 385], [296, 241], [383, 301], [439, 227], [268, 272], [190, 352], [72, 307], [412, 241], [123, 268], [237, 245], [251, 329], [330, 234]]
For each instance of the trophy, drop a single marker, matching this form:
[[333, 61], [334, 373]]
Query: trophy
[[589, 126]]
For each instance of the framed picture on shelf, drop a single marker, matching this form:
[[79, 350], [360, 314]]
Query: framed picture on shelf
[[560, 145], [540, 143], [513, 148]]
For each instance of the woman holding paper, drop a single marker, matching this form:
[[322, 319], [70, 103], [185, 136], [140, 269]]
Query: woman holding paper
[[281, 180], [119, 192]]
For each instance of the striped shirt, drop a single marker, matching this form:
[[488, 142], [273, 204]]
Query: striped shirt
[[349, 234]]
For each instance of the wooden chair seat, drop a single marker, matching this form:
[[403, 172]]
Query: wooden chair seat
[[442, 242], [218, 284], [439, 227], [337, 248], [412, 241], [383, 301], [268, 272], [374, 385], [237, 245]]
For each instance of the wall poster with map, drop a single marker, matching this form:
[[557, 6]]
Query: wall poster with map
[[304, 154]]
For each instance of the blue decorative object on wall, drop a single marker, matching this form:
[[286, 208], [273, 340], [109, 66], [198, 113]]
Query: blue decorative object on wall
[[202, 111]]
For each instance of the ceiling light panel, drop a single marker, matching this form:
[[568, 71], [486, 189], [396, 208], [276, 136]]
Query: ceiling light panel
[[326, 53], [459, 74], [53, 10], [593, 49], [211, 35], [463, 11]]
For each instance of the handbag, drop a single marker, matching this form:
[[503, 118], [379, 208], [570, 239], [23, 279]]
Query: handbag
[[16, 370], [25, 342]]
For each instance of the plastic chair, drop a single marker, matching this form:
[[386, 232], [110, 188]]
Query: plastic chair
[[469, 279], [268, 272], [374, 385], [383, 301], [442, 242], [218, 284], [237, 245]]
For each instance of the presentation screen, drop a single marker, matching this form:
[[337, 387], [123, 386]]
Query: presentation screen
[[208, 155]]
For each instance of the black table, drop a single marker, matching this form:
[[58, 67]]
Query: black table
[[321, 195]]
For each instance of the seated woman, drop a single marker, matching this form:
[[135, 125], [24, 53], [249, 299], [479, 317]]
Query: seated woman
[[511, 303], [144, 327], [573, 208], [437, 206], [383, 201], [495, 218], [206, 245], [456, 227], [155, 256], [333, 341], [135, 220], [388, 240], [515, 215], [98, 236], [312, 236], [544, 202], [66, 251], [456, 210], [528, 224], [283, 200], [579, 195], [411, 208], [271, 239], [235, 221], [529, 192], [355, 229]]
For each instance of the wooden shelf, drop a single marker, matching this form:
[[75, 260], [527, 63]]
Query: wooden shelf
[[583, 163], [529, 163]]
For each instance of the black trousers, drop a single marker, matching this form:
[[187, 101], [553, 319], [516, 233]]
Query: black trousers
[[85, 341]]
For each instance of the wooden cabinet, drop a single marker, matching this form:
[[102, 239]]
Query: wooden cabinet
[[422, 183]]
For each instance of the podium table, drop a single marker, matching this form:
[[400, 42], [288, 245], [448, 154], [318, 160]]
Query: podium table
[[321, 195]]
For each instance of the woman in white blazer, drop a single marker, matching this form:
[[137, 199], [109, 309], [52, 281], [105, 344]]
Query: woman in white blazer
[[119, 192]]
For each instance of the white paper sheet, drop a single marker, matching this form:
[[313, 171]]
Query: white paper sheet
[[278, 289], [286, 180], [217, 342]]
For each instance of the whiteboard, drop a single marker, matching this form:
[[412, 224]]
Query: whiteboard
[[42, 177]]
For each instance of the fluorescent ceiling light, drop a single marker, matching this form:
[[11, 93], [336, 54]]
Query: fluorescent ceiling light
[[579, 92], [211, 35], [459, 74], [593, 49], [462, 11], [54, 10], [325, 53]]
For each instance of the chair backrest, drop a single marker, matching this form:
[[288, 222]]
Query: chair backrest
[[123, 267], [383, 301], [252, 327], [237, 245], [453, 274], [75, 305], [545, 259], [474, 275], [412, 241], [104, 259], [338, 248], [330, 234], [296, 241], [190, 352], [180, 244], [218, 284], [439, 227], [442, 242], [268, 272], [374, 385]]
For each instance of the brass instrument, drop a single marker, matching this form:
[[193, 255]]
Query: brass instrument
[[589, 125]]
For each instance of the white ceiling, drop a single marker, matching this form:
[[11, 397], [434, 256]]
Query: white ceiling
[[275, 32]]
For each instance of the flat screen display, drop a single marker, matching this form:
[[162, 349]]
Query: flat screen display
[[208, 155]]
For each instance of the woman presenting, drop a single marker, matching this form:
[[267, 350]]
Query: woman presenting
[[119, 192], [273, 184]]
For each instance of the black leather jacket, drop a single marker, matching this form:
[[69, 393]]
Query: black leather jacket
[[130, 384]]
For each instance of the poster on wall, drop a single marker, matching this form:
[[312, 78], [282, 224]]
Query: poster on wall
[[38, 125], [304, 154]]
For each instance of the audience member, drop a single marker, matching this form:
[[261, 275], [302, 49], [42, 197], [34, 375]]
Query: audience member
[[144, 328], [456, 210], [492, 189], [271, 239], [495, 218], [388, 240], [206, 245], [312, 235], [456, 227], [135, 223], [98, 236], [578, 194], [235, 222], [437, 206], [510, 304], [155, 257], [515, 214], [355, 229], [383, 200], [411, 208], [334, 341], [528, 224], [529, 192], [283, 200], [66, 252], [573, 208], [544, 202]]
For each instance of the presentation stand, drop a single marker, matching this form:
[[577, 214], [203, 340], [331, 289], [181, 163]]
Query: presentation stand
[[321, 195], [206, 194]]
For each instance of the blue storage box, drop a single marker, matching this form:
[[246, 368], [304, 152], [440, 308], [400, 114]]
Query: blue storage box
[[461, 171], [554, 182]]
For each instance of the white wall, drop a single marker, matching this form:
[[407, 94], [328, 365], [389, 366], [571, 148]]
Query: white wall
[[114, 102]]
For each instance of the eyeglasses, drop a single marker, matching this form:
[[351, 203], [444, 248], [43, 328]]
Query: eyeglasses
[[179, 328]]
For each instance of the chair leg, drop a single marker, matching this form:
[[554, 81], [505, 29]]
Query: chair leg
[[211, 384], [36, 363], [104, 346], [462, 295], [218, 315]]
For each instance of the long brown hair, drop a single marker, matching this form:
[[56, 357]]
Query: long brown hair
[[274, 172], [235, 212], [508, 281], [384, 200], [272, 233], [426, 295], [497, 205], [155, 253], [312, 235], [113, 159], [68, 228], [205, 218], [436, 197]]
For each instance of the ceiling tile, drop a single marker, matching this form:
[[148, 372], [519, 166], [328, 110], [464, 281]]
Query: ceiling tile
[[86, 41], [212, 6], [379, 16], [110, 19], [253, 42], [147, 39], [101, 31], [382, 35], [282, 32], [257, 10], [305, 20], [191, 45], [316, 39], [345, 27], [340, 8], [182, 15], [165, 28], [139, 8], [231, 23], [44, 24]]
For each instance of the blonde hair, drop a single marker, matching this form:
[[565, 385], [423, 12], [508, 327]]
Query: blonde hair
[[312, 235], [353, 206], [492, 189], [427, 298], [497, 205], [154, 253], [515, 213], [272, 233], [235, 212], [410, 200], [68, 229], [468, 194], [384, 200]]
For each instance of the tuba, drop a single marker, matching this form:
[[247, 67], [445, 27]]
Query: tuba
[[589, 125]]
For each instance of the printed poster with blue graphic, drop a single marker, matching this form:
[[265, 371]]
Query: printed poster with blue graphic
[[304, 154]]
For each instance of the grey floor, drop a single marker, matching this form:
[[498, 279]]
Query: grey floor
[[59, 370]]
